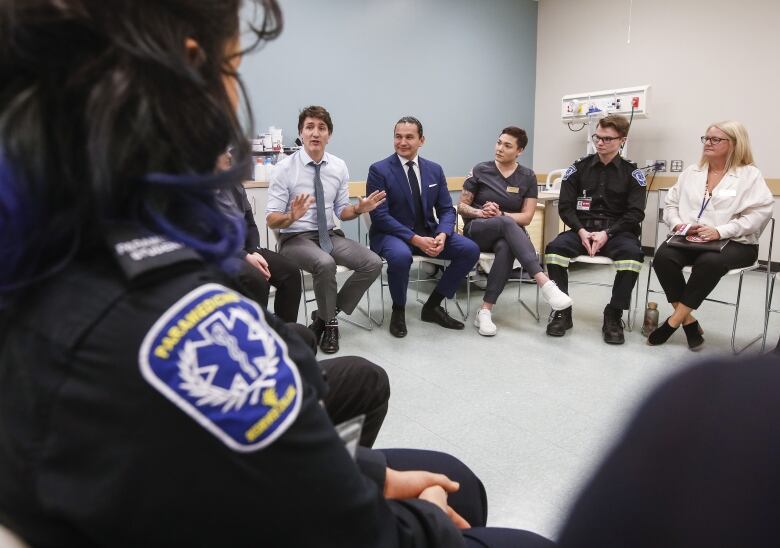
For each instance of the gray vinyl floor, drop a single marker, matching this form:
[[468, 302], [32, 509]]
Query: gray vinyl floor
[[530, 414]]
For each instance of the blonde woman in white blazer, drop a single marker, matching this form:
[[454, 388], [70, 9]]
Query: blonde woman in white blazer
[[723, 197]]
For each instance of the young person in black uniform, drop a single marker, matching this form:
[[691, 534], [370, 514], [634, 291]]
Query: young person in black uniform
[[498, 201], [143, 401], [262, 268], [602, 201]]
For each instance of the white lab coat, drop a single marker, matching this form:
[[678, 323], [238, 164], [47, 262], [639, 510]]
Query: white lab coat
[[740, 207]]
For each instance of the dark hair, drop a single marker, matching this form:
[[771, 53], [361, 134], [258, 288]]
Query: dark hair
[[617, 122], [519, 134], [317, 112], [410, 120], [106, 115]]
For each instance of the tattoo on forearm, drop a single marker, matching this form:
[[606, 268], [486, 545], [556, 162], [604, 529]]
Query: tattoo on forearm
[[464, 206]]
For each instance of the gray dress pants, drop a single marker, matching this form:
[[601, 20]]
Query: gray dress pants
[[509, 241], [304, 250]]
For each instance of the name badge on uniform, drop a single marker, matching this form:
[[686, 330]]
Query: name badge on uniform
[[583, 202], [513, 189]]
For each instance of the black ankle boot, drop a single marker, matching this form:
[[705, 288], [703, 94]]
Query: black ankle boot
[[612, 329], [560, 321], [661, 334]]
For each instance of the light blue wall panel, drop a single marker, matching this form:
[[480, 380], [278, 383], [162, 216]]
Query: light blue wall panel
[[466, 68]]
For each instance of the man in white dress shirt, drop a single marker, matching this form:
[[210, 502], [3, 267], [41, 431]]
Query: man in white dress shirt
[[307, 193]]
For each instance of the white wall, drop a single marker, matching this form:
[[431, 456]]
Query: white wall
[[706, 61]]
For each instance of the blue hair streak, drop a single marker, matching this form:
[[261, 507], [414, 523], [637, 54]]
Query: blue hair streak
[[29, 251], [219, 235]]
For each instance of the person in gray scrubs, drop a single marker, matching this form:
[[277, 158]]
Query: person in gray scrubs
[[497, 202]]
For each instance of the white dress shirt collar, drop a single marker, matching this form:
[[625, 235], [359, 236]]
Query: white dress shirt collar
[[404, 161], [306, 159]]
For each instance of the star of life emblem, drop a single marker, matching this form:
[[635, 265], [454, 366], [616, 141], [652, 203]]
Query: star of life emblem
[[639, 176], [214, 356]]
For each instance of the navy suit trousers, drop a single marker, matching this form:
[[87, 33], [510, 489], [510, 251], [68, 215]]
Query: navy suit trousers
[[462, 252], [470, 501]]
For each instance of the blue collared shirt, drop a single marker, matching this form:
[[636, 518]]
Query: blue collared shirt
[[293, 176]]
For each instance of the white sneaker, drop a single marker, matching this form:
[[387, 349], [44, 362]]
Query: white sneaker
[[557, 299], [484, 322]]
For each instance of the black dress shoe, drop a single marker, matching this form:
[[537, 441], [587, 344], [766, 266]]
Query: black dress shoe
[[560, 321], [398, 323], [330, 337], [317, 325], [439, 316], [613, 326]]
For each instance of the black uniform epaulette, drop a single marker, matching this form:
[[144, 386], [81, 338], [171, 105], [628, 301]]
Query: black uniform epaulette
[[137, 250], [583, 158]]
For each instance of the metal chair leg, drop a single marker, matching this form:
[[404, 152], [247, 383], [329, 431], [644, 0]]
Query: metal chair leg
[[303, 291], [734, 325], [468, 298], [381, 321], [536, 315], [633, 310], [647, 286], [368, 326], [767, 310]]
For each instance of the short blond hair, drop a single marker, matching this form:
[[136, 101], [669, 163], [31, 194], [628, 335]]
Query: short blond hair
[[740, 153]]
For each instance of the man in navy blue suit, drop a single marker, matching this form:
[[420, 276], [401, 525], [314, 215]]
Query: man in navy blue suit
[[405, 224]]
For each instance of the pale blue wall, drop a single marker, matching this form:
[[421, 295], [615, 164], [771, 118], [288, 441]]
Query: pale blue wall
[[466, 68]]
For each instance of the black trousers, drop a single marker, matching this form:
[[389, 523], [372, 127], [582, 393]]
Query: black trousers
[[470, 501], [285, 277], [708, 268], [623, 248], [508, 241], [356, 386]]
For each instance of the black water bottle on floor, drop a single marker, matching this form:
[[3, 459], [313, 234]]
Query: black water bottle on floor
[[651, 319]]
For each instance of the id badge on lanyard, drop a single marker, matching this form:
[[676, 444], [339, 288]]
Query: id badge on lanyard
[[583, 202]]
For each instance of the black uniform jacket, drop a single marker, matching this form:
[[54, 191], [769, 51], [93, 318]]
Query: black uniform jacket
[[616, 192], [235, 200], [98, 447]]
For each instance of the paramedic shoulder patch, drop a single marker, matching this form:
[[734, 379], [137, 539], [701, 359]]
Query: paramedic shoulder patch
[[639, 176], [215, 357], [569, 172]]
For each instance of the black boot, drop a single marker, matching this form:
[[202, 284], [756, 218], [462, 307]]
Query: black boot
[[560, 321], [613, 326]]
